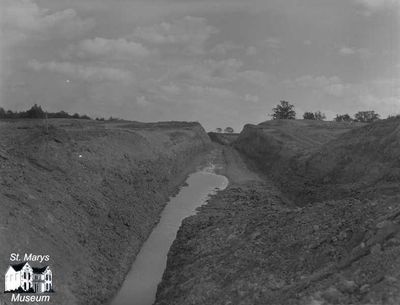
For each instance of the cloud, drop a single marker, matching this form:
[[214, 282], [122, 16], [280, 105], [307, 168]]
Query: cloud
[[389, 105], [192, 92], [251, 51], [254, 77], [22, 19], [379, 4], [381, 94], [272, 42], [115, 48], [222, 72], [225, 68], [251, 98], [225, 47], [374, 6], [142, 101], [208, 71], [347, 51], [332, 86], [189, 32], [86, 73], [211, 92], [171, 89], [362, 52]]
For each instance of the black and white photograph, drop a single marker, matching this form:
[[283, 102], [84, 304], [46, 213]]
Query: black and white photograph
[[200, 152]]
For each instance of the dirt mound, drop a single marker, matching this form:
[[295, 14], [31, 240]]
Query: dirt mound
[[312, 160], [88, 194], [246, 247], [275, 144], [363, 162], [339, 245]]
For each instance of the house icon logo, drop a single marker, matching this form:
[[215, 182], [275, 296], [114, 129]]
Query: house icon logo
[[23, 278]]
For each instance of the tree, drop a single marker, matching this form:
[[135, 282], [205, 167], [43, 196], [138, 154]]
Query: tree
[[59, 115], [308, 116], [343, 118], [284, 111], [35, 112], [219, 130], [366, 116], [10, 114], [85, 117], [319, 116], [228, 130]]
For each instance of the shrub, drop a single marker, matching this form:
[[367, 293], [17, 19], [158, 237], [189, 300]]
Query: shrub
[[343, 118], [366, 116], [308, 116], [393, 116], [319, 116], [314, 116]]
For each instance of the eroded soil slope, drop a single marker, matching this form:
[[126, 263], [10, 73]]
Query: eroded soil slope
[[326, 160], [88, 194], [336, 240]]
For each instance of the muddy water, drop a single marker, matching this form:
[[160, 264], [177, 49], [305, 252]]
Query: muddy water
[[140, 285]]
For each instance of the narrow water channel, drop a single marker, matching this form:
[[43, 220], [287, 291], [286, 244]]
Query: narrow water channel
[[140, 285]]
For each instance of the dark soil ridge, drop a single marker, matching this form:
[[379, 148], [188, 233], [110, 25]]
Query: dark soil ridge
[[88, 194]]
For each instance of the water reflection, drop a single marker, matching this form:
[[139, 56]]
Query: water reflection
[[140, 285]]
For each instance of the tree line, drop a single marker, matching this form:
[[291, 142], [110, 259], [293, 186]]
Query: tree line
[[36, 112], [286, 111], [226, 130]]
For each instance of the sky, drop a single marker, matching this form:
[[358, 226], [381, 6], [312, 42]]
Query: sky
[[220, 62]]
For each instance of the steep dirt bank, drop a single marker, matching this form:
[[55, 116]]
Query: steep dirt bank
[[281, 148], [314, 161], [248, 246], [88, 194]]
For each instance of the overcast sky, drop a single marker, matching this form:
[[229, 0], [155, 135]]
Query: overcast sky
[[219, 62]]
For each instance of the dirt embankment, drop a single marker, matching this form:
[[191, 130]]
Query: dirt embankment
[[88, 194], [314, 161], [338, 242]]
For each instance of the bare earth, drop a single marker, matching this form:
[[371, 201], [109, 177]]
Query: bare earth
[[311, 215], [334, 239], [87, 194]]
